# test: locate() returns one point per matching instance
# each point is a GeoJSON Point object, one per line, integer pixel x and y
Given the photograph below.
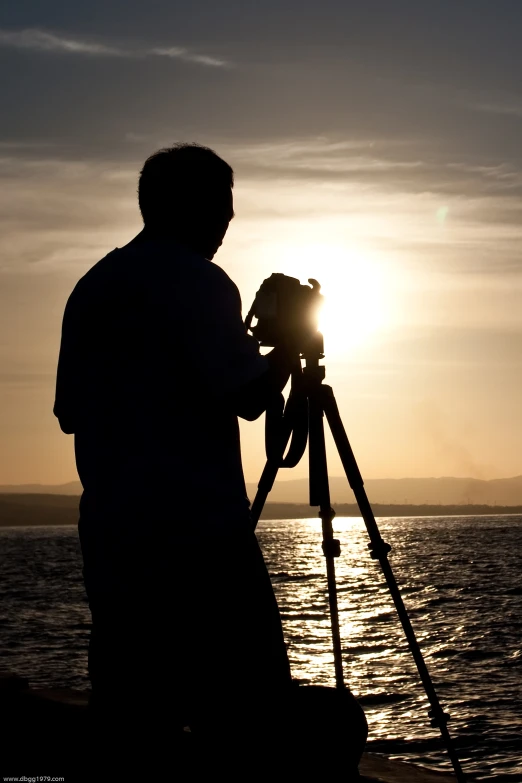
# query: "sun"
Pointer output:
{"type": "Point", "coordinates": [354, 288]}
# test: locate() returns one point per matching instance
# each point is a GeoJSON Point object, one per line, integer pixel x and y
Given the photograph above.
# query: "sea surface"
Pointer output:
{"type": "Point", "coordinates": [461, 580]}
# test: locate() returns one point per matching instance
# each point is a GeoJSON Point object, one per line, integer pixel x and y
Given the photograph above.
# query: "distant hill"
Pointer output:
{"type": "Point", "coordinates": [71, 488]}
{"type": "Point", "coordinates": [33, 509]}
{"type": "Point", "coordinates": [406, 491]}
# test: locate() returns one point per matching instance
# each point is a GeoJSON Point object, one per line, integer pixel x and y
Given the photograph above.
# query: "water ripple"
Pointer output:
{"type": "Point", "coordinates": [460, 579]}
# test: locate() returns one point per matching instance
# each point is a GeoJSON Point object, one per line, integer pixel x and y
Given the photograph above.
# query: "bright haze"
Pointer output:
{"type": "Point", "coordinates": [377, 147]}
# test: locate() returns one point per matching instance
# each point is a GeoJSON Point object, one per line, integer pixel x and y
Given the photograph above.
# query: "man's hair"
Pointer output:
{"type": "Point", "coordinates": [178, 177]}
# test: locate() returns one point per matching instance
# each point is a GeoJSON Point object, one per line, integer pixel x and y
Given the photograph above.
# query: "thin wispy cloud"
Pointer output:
{"type": "Point", "coordinates": [507, 109]}
{"type": "Point", "coordinates": [18, 146]}
{"type": "Point", "coordinates": [43, 41]}
{"type": "Point", "coordinates": [178, 52]}
{"type": "Point", "coordinates": [461, 217]}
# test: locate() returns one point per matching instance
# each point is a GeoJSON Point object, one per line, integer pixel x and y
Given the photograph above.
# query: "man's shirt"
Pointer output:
{"type": "Point", "coordinates": [153, 348]}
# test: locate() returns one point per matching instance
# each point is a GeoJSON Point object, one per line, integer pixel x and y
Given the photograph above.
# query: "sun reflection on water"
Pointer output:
{"type": "Point", "coordinates": [462, 585]}
{"type": "Point", "coordinates": [378, 666]}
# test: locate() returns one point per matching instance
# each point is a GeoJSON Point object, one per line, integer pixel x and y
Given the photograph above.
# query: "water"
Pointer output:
{"type": "Point", "coordinates": [461, 580]}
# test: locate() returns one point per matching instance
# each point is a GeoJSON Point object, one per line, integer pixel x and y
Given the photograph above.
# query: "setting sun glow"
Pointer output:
{"type": "Point", "coordinates": [352, 283]}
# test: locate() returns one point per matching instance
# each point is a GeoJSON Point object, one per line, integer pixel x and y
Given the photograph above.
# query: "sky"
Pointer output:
{"type": "Point", "coordinates": [377, 147]}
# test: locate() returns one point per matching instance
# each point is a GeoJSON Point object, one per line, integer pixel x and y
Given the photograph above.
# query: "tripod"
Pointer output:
{"type": "Point", "coordinates": [313, 399]}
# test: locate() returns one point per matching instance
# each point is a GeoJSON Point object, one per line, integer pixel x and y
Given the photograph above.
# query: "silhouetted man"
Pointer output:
{"type": "Point", "coordinates": [155, 366]}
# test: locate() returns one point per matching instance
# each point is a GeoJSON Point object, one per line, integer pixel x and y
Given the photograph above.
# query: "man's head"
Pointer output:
{"type": "Point", "coordinates": [185, 192]}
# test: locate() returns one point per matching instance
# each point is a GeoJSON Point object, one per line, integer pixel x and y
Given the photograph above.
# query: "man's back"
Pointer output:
{"type": "Point", "coordinates": [152, 345]}
{"type": "Point", "coordinates": [154, 364]}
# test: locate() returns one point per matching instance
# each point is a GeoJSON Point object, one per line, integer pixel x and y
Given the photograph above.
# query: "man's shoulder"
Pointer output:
{"type": "Point", "coordinates": [101, 270]}
{"type": "Point", "coordinates": [164, 268]}
{"type": "Point", "coordinates": [216, 276]}
{"type": "Point", "coordinates": [186, 269]}
{"type": "Point", "coordinates": [93, 285]}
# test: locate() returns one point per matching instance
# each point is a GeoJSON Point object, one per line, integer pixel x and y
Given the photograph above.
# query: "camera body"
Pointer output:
{"type": "Point", "coordinates": [284, 307]}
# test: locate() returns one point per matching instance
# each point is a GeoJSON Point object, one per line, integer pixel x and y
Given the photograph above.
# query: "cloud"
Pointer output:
{"type": "Point", "coordinates": [18, 146]}
{"type": "Point", "coordinates": [507, 109]}
{"type": "Point", "coordinates": [57, 214]}
{"type": "Point", "coordinates": [43, 41]}
{"type": "Point", "coordinates": [390, 167]}
{"type": "Point", "coordinates": [40, 40]}
{"type": "Point", "coordinates": [61, 210]}
{"type": "Point", "coordinates": [178, 52]}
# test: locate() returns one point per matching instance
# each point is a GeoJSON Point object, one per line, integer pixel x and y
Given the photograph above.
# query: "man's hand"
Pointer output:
{"type": "Point", "coordinates": [252, 399]}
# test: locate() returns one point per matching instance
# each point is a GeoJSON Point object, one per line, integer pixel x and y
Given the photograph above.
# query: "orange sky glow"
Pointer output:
{"type": "Point", "coordinates": [388, 170]}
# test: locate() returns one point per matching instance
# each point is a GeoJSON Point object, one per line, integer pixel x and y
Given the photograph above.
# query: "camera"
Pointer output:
{"type": "Point", "coordinates": [284, 307]}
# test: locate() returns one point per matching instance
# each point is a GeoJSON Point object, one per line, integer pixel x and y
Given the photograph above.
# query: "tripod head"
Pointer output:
{"type": "Point", "coordinates": [313, 349]}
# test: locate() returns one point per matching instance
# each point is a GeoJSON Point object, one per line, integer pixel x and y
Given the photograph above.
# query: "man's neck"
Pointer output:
{"type": "Point", "coordinates": [159, 235]}
{"type": "Point", "coordinates": [146, 234]}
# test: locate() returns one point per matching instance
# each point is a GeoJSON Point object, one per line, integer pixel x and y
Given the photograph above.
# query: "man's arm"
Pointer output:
{"type": "Point", "coordinates": [252, 399]}
{"type": "Point", "coordinates": [67, 373]}
{"type": "Point", "coordinates": [226, 359]}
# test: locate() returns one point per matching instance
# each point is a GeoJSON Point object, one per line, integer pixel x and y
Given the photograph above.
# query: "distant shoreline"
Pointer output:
{"type": "Point", "coordinates": [39, 510]}
{"type": "Point", "coordinates": [302, 511]}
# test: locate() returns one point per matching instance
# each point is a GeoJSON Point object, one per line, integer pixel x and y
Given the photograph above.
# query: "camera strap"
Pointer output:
{"type": "Point", "coordinates": [283, 421]}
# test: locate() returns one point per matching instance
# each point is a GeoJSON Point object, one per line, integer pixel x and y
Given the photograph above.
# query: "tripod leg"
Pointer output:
{"type": "Point", "coordinates": [270, 471]}
{"type": "Point", "coordinates": [266, 482]}
{"type": "Point", "coordinates": [320, 496]}
{"type": "Point", "coordinates": [379, 551]}
{"type": "Point", "coordinates": [291, 420]}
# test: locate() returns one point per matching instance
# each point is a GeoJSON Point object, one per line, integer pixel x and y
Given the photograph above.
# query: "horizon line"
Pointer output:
{"type": "Point", "coordinates": [302, 478]}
